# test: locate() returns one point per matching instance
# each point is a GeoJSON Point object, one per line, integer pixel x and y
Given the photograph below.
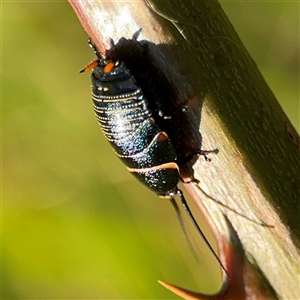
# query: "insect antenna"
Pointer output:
{"type": "Point", "coordinates": [197, 184]}
{"type": "Point", "coordinates": [195, 224]}
{"type": "Point", "coordinates": [185, 232]}
{"type": "Point", "coordinates": [261, 223]}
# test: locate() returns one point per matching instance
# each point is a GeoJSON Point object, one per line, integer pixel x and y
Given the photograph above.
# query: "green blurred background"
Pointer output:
{"type": "Point", "coordinates": [75, 224]}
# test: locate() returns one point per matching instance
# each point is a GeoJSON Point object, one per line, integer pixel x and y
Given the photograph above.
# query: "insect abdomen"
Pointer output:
{"type": "Point", "coordinates": [127, 123]}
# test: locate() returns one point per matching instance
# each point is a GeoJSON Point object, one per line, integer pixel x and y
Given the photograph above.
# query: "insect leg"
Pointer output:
{"type": "Point", "coordinates": [199, 153]}
{"type": "Point", "coordinates": [95, 49]}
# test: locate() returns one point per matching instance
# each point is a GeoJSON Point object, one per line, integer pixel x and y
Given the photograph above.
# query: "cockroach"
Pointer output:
{"type": "Point", "coordinates": [130, 127]}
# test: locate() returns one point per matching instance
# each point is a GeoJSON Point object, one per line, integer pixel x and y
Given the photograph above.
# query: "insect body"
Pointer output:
{"type": "Point", "coordinates": [128, 124]}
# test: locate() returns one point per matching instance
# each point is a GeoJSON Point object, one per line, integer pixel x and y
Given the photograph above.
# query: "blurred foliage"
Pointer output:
{"type": "Point", "coordinates": [75, 224]}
